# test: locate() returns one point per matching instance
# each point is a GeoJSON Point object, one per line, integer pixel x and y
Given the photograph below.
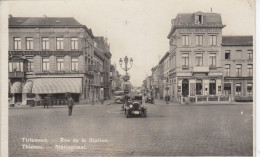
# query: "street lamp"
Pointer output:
{"type": "Point", "coordinates": [126, 68]}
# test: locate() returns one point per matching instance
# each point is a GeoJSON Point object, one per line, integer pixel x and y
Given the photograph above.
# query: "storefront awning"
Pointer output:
{"type": "Point", "coordinates": [27, 88]}
{"type": "Point", "coordinates": [16, 87]}
{"type": "Point", "coordinates": [57, 85]}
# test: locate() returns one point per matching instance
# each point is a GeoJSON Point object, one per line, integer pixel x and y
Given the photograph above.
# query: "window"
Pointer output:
{"type": "Point", "coordinates": [16, 66]}
{"type": "Point", "coordinates": [60, 64]}
{"type": "Point", "coordinates": [17, 44]}
{"type": "Point", "coordinates": [227, 54]}
{"type": "Point", "coordinates": [250, 70]}
{"type": "Point", "coordinates": [45, 64]}
{"type": "Point", "coordinates": [238, 88]}
{"type": "Point", "coordinates": [212, 87]}
{"type": "Point", "coordinates": [29, 43]}
{"type": "Point", "coordinates": [227, 69]}
{"type": "Point", "coordinates": [239, 69]}
{"type": "Point", "coordinates": [45, 43]}
{"type": "Point", "coordinates": [10, 66]}
{"type": "Point", "coordinates": [249, 89]}
{"type": "Point", "coordinates": [185, 59]}
{"type": "Point", "coordinates": [199, 59]}
{"type": "Point", "coordinates": [227, 88]}
{"type": "Point", "coordinates": [59, 43]}
{"type": "Point", "coordinates": [199, 39]}
{"type": "Point", "coordinates": [239, 54]}
{"type": "Point", "coordinates": [198, 87]}
{"type": "Point", "coordinates": [212, 59]}
{"type": "Point", "coordinates": [74, 43]}
{"type": "Point", "coordinates": [74, 64]}
{"type": "Point", "coordinates": [212, 40]}
{"type": "Point", "coordinates": [30, 66]}
{"type": "Point", "coordinates": [185, 40]}
{"type": "Point", "coordinates": [250, 55]}
{"type": "Point", "coordinates": [199, 19]}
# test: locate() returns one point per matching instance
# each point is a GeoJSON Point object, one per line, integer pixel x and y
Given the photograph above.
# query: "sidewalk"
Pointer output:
{"type": "Point", "coordinates": [107, 102]}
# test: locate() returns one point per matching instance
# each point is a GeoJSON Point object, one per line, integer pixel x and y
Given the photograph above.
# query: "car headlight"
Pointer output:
{"type": "Point", "coordinates": [130, 106]}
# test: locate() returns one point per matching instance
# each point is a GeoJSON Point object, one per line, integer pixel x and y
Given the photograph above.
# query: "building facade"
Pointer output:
{"type": "Point", "coordinates": [237, 63]}
{"type": "Point", "coordinates": [59, 51]}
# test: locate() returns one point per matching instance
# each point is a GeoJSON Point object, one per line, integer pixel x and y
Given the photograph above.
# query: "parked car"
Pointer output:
{"type": "Point", "coordinates": [119, 97]}
{"type": "Point", "coordinates": [133, 106]}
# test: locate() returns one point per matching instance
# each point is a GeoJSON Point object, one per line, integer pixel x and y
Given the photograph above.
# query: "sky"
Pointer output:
{"type": "Point", "coordinates": [139, 28]}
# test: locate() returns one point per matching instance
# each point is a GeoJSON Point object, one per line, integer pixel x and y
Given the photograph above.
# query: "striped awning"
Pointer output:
{"type": "Point", "coordinates": [27, 88]}
{"type": "Point", "coordinates": [16, 87]}
{"type": "Point", "coordinates": [57, 85]}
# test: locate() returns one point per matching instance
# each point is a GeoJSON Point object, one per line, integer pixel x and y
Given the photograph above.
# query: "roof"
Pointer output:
{"type": "Point", "coordinates": [237, 40]}
{"type": "Point", "coordinates": [102, 45]}
{"type": "Point", "coordinates": [32, 22]}
{"type": "Point", "coordinates": [43, 21]}
{"type": "Point", "coordinates": [188, 20]}
{"type": "Point", "coordinates": [164, 57]}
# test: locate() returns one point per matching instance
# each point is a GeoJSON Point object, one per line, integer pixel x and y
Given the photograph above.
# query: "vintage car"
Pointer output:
{"type": "Point", "coordinates": [119, 97]}
{"type": "Point", "coordinates": [133, 106]}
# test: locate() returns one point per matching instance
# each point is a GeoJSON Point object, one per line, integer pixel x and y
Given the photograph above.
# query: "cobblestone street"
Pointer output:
{"type": "Point", "coordinates": [172, 130]}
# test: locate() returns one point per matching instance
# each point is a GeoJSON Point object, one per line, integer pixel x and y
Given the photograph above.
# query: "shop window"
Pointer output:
{"type": "Point", "coordinates": [249, 89]}
{"type": "Point", "coordinates": [198, 87]}
{"type": "Point", "coordinates": [238, 89]}
{"type": "Point", "coordinates": [212, 87]}
{"type": "Point", "coordinates": [227, 88]}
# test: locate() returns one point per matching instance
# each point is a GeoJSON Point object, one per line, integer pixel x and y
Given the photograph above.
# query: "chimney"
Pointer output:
{"type": "Point", "coordinates": [172, 22]}
{"type": "Point", "coordinates": [45, 16]}
{"type": "Point", "coordinates": [10, 15]}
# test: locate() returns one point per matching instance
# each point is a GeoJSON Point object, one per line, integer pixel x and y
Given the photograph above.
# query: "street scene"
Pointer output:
{"type": "Point", "coordinates": [97, 82]}
{"type": "Point", "coordinates": [168, 130]}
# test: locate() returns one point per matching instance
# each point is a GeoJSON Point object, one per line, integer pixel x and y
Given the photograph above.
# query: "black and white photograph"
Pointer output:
{"type": "Point", "coordinates": [128, 78]}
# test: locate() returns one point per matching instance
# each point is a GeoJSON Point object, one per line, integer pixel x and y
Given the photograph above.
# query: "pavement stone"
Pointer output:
{"type": "Point", "coordinates": [168, 130]}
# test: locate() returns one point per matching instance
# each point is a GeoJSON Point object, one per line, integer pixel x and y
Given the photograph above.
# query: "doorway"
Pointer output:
{"type": "Point", "coordinates": [185, 88]}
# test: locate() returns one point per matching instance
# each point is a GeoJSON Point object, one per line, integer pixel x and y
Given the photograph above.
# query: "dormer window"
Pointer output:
{"type": "Point", "coordinates": [198, 19]}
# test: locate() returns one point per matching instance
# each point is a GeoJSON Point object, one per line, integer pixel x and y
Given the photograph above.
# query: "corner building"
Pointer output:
{"type": "Point", "coordinates": [58, 51]}
{"type": "Point", "coordinates": [195, 52]}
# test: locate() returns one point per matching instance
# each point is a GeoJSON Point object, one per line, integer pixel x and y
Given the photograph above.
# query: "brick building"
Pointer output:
{"type": "Point", "coordinates": [59, 51]}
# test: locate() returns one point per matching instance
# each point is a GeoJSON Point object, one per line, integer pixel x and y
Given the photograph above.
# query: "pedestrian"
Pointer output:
{"type": "Point", "coordinates": [70, 104]}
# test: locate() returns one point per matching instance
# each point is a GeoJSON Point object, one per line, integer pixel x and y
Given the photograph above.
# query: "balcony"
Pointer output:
{"type": "Point", "coordinates": [200, 69]}
{"type": "Point", "coordinates": [16, 74]}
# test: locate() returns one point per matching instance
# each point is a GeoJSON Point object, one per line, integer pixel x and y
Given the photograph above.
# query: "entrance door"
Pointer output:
{"type": "Point", "coordinates": [185, 88]}
{"type": "Point", "coordinates": [18, 97]}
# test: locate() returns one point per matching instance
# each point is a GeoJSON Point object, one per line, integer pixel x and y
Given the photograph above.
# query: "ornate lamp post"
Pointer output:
{"type": "Point", "coordinates": [126, 68]}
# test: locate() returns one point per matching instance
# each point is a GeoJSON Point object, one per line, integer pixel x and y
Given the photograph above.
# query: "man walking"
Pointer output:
{"type": "Point", "coordinates": [70, 104]}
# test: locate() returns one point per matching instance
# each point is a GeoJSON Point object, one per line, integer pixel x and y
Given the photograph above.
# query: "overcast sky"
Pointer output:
{"type": "Point", "coordinates": [139, 28]}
